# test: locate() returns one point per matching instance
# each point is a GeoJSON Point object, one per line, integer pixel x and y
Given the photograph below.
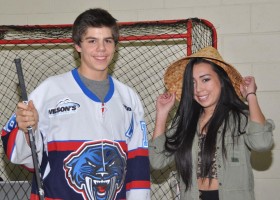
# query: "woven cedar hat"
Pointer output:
{"type": "Point", "coordinates": [173, 77]}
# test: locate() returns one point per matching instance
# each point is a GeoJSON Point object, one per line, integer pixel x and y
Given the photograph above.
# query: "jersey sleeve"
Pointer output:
{"type": "Point", "coordinates": [138, 167]}
{"type": "Point", "coordinates": [15, 144]}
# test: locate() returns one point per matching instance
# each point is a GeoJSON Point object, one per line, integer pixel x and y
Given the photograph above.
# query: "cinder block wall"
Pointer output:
{"type": "Point", "coordinates": [248, 37]}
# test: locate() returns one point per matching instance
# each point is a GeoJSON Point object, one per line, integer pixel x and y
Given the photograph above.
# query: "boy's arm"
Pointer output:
{"type": "Point", "coordinates": [138, 167]}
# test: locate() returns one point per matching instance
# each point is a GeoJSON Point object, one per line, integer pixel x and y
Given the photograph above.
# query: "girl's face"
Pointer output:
{"type": "Point", "coordinates": [207, 86]}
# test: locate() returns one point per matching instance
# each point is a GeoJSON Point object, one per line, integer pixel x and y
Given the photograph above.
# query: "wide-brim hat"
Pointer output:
{"type": "Point", "coordinates": [173, 77]}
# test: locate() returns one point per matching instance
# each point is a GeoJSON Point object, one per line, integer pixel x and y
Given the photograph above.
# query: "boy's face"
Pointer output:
{"type": "Point", "coordinates": [97, 50]}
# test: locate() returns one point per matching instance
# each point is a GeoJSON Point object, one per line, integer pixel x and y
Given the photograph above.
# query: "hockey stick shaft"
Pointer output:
{"type": "Point", "coordinates": [30, 132]}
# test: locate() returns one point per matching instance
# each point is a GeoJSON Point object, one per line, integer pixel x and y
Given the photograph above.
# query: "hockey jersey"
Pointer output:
{"type": "Point", "coordinates": [87, 149]}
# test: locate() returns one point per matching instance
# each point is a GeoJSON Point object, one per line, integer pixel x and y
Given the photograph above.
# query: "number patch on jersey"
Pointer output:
{"type": "Point", "coordinates": [11, 124]}
{"type": "Point", "coordinates": [144, 131]}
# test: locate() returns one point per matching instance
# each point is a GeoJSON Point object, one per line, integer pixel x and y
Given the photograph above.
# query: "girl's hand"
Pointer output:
{"type": "Point", "coordinates": [165, 102]}
{"type": "Point", "coordinates": [248, 87]}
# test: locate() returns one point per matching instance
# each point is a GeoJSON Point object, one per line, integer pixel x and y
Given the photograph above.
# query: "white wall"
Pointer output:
{"type": "Point", "coordinates": [248, 37]}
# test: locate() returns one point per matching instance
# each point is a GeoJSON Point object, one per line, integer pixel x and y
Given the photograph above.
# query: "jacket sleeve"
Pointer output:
{"type": "Point", "coordinates": [138, 167]}
{"type": "Point", "coordinates": [260, 137]}
{"type": "Point", "coordinates": [159, 158]}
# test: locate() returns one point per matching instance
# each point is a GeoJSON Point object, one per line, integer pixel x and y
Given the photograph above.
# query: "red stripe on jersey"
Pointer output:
{"type": "Point", "coordinates": [11, 142]}
{"type": "Point", "coordinates": [138, 184]}
{"type": "Point", "coordinates": [74, 145]}
{"type": "Point", "coordinates": [64, 146]}
{"type": "Point", "coordinates": [123, 146]}
{"type": "Point", "coordinates": [138, 152]}
{"type": "Point", "coordinates": [3, 133]}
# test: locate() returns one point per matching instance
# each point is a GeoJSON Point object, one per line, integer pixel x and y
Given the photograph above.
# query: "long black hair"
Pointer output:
{"type": "Point", "coordinates": [187, 116]}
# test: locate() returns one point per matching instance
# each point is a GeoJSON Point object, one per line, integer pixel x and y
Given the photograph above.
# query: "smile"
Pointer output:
{"type": "Point", "coordinates": [202, 98]}
{"type": "Point", "coordinates": [100, 57]}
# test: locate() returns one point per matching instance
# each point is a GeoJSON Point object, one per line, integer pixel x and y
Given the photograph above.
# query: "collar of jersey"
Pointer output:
{"type": "Point", "coordinates": [90, 94]}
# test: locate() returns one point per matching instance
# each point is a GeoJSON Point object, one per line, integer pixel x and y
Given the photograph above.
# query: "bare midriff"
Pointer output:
{"type": "Point", "coordinates": [203, 184]}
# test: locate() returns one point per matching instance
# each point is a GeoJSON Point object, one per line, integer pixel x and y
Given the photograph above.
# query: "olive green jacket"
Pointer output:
{"type": "Point", "coordinates": [235, 173]}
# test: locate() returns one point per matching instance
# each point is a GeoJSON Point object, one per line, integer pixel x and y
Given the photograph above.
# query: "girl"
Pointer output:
{"type": "Point", "coordinates": [213, 131]}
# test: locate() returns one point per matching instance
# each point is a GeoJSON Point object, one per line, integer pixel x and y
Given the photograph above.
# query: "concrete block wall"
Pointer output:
{"type": "Point", "coordinates": [248, 37]}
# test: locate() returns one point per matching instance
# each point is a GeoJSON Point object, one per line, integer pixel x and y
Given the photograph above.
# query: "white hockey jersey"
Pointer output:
{"type": "Point", "coordinates": [88, 149]}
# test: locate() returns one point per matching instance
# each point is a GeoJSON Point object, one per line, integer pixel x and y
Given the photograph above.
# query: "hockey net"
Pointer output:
{"type": "Point", "coordinates": [144, 52]}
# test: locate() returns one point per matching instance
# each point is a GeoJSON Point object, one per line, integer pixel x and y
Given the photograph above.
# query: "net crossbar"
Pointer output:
{"type": "Point", "coordinates": [144, 52]}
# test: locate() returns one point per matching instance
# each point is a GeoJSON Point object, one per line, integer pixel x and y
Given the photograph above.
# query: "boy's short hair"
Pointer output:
{"type": "Point", "coordinates": [96, 17]}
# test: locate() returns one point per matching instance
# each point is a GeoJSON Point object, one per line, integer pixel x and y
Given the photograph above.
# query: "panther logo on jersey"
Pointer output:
{"type": "Point", "coordinates": [97, 170]}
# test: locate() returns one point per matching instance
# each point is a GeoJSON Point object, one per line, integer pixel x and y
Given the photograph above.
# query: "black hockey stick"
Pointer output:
{"type": "Point", "coordinates": [38, 177]}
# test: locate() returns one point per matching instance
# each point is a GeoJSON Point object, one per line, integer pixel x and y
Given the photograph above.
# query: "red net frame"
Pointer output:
{"type": "Point", "coordinates": [189, 25]}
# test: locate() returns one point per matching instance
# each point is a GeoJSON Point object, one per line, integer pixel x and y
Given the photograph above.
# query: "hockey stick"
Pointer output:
{"type": "Point", "coordinates": [38, 177]}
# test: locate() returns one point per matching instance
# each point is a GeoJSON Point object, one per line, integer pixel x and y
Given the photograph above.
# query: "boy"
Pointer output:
{"type": "Point", "coordinates": [90, 131]}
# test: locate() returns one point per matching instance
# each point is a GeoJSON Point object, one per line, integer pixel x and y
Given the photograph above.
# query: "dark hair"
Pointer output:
{"type": "Point", "coordinates": [96, 17]}
{"type": "Point", "coordinates": [186, 120]}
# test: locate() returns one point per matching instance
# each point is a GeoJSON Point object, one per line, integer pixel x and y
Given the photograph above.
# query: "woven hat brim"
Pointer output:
{"type": "Point", "coordinates": [173, 77]}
